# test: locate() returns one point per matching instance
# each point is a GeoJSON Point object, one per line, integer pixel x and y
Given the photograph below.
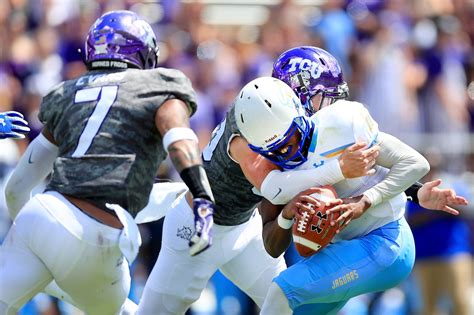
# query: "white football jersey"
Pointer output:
{"type": "Point", "coordinates": [337, 127]}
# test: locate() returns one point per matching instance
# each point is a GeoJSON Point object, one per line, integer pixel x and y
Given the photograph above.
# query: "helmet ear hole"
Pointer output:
{"type": "Point", "coordinates": [143, 61]}
{"type": "Point", "coordinates": [151, 59]}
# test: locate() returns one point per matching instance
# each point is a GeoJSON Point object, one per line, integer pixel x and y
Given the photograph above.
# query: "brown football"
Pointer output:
{"type": "Point", "coordinates": [313, 232]}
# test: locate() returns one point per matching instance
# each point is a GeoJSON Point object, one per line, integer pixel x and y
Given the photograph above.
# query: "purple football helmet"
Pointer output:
{"type": "Point", "coordinates": [120, 39]}
{"type": "Point", "coordinates": [308, 71]}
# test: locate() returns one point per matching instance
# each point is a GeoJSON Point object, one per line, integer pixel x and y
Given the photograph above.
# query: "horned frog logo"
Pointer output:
{"type": "Point", "coordinates": [185, 233]}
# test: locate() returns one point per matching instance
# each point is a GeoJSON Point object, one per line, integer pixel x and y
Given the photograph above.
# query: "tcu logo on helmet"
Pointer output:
{"type": "Point", "coordinates": [305, 65]}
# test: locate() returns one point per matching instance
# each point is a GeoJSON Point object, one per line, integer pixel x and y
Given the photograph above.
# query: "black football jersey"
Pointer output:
{"type": "Point", "coordinates": [104, 125]}
{"type": "Point", "coordinates": [235, 200]}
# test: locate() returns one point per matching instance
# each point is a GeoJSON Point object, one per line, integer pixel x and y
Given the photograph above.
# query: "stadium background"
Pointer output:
{"type": "Point", "coordinates": [410, 62]}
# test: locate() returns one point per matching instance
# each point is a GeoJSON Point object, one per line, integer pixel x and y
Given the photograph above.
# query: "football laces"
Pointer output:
{"type": "Point", "coordinates": [304, 222]}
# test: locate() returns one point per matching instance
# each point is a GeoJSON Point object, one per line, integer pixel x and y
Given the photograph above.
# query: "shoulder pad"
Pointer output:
{"type": "Point", "coordinates": [336, 114]}
{"type": "Point", "coordinates": [172, 73]}
{"type": "Point", "coordinates": [55, 89]}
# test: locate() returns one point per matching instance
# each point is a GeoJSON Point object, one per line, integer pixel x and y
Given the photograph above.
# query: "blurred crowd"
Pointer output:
{"type": "Point", "coordinates": [410, 62]}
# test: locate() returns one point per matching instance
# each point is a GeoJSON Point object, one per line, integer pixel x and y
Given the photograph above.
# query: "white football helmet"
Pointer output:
{"type": "Point", "coordinates": [268, 113]}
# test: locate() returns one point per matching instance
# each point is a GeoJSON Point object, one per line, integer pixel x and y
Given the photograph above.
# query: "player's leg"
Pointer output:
{"type": "Point", "coordinates": [275, 302]}
{"type": "Point", "coordinates": [128, 308]}
{"type": "Point", "coordinates": [253, 269]}
{"type": "Point", "coordinates": [320, 308]}
{"type": "Point", "coordinates": [87, 263]}
{"type": "Point", "coordinates": [103, 287]}
{"type": "Point", "coordinates": [375, 262]}
{"type": "Point", "coordinates": [53, 289]}
{"type": "Point", "coordinates": [177, 279]}
{"type": "Point", "coordinates": [22, 273]}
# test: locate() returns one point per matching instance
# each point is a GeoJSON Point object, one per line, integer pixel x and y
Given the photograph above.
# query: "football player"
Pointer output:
{"type": "Point", "coordinates": [13, 125]}
{"type": "Point", "coordinates": [372, 253]}
{"type": "Point", "coordinates": [178, 279]}
{"type": "Point", "coordinates": [316, 78]}
{"type": "Point", "coordinates": [234, 170]}
{"type": "Point", "coordinates": [105, 135]}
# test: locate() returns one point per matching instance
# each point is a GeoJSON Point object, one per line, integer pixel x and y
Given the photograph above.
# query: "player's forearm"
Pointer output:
{"type": "Point", "coordinates": [276, 239]}
{"type": "Point", "coordinates": [195, 178]}
{"type": "Point", "coordinates": [280, 187]}
{"type": "Point", "coordinates": [186, 159]}
{"type": "Point", "coordinates": [184, 154]}
{"type": "Point", "coordinates": [181, 143]}
{"type": "Point", "coordinates": [406, 167]}
{"type": "Point", "coordinates": [34, 165]}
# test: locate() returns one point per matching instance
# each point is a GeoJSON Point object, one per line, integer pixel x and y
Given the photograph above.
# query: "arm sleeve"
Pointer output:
{"type": "Point", "coordinates": [280, 187]}
{"type": "Point", "coordinates": [406, 167]}
{"type": "Point", "coordinates": [34, 165]}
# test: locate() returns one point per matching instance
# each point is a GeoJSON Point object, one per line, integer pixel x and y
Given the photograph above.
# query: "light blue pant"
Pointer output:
{"type": "Point", "coordinates": [323, 283]}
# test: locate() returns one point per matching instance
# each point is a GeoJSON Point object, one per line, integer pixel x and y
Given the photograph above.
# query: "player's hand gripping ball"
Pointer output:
{"type": "Point", "coordinates": [312, 232]}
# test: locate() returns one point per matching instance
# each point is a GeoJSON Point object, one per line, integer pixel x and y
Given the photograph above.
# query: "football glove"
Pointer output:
{"type": "Point", "coordinates": [203, 221]}
{"type": "Point", "coordinates": [12, 125]}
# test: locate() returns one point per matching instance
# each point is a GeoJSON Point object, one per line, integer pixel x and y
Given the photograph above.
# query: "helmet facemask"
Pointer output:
{"type": "Point", "coordinates": [284, 155]}
{"type": "Point", "coordinates": [329, 95]}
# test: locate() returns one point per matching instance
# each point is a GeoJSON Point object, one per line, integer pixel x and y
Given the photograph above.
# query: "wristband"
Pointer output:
{"type": "Point", "coordinates": [285, 224]}
{"type": "Point", "coordinates": [195, 178]}
{"type": "Point", "coordinates": [177, 134]}
{"type": "Point", "coordinates": [412, 192]}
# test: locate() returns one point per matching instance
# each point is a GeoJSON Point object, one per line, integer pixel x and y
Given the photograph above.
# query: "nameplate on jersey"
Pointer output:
{"type": "Point", "coordinates": [109, 64]}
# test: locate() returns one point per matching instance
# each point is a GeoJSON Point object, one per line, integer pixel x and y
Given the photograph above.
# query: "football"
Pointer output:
{"type": "Point", "coordinates": [312, 232]}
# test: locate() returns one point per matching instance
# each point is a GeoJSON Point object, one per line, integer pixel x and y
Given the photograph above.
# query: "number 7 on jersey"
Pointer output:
{"type": "Point", "coordinates": [105, 97]}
